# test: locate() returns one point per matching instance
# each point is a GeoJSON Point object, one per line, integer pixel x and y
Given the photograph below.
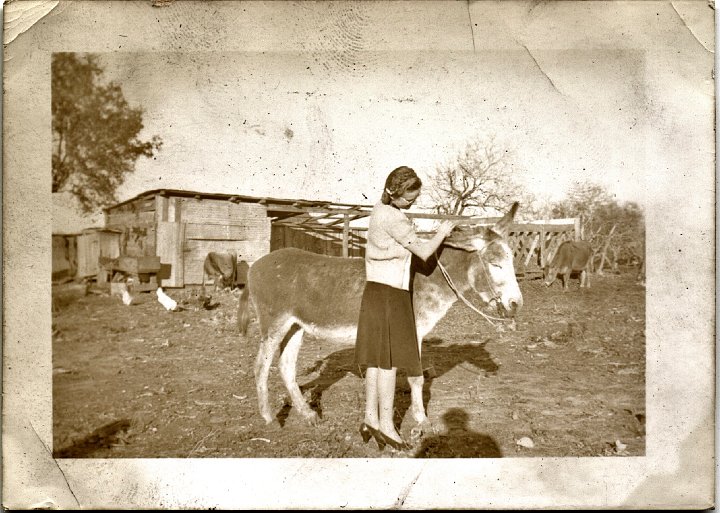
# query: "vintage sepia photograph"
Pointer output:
{"type": "Point", "coordinates": [393, 240]}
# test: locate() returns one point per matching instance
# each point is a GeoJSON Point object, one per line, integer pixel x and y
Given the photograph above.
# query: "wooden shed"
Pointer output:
{"type": "Point", "coordinates": [64, 256]}
{"type": "Point", "coordinates": [76, 256]}
{"type": "Point", "coordinates": [182, 227]}
{"type": "Point", "coordinates": [92, 244]}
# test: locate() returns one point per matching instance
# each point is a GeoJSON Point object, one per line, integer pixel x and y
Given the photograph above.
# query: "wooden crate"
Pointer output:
{"type": "Point", "coordinates": [143, 271]}
{"type": "Point", "coordinates": [132, 265]}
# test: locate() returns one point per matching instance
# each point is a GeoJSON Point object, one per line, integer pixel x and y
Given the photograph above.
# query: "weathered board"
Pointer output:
{"type": "Point", "coordinates": [92, 245]}
{"type": "Point", "coordinates": [170, 245]}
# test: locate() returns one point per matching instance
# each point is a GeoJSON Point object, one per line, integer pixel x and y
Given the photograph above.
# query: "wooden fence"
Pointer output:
{"type": "Point", "coordinates": [333, 241]}
{"type": "Point", "coordinates": [534, 244]}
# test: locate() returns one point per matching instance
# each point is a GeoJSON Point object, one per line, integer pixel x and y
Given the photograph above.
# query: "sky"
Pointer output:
{"type": "Point", "coordinates": [573, 91]}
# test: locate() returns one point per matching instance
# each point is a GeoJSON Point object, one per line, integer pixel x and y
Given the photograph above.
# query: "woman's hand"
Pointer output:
{"type": "Point", "coordinates": [446, 227]}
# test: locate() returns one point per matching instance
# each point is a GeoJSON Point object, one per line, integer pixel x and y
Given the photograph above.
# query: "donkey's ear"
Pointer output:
{"type": "Point", "coordinates": [502, 227]}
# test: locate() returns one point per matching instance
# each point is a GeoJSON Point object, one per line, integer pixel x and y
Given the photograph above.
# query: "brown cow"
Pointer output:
{"type": "Point", "coordinates": [294, 292]}
{"type": "Point", "coordinates": [221, 268]}
{"type": "Point", "coordinates": [572, 255]}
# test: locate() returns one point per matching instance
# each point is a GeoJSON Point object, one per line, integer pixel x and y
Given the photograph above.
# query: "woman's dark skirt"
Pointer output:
{"type": "Point", "coordinates": [386, 335]}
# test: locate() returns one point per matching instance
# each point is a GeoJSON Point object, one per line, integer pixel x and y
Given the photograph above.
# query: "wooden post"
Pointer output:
{"type": "Point", "coordinates": [641, 273]}
{"type": "Point", "coordinates": [532, 249]}
{"type": "Point", "coordinates": [180, 255]}
{"type": "Point", "coordinates": [178, 202]}
{"type": "Point", "coordinates": [161, 208]}
{"type": "Point", "coordinates": [346, 234]}
{"type": "Point", "coordinates": [578, 229]}
{"type": "Point", "coordinates": [542, 246]}
{"type": "Point", "coordinates": [604, 250]}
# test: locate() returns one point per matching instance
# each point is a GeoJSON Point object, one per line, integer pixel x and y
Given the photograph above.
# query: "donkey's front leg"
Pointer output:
{"type": "Point", "coordinates": [416, 396]}
{"type": "Point", "coordinates": [418, 410]}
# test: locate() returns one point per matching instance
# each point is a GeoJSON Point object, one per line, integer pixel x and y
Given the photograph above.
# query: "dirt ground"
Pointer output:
{"type": "Point", "coordinates": [138, 381]}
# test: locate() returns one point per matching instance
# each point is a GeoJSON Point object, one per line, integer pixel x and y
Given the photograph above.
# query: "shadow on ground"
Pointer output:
{"type": "Point", "coordinates": [437, 360]}
{"type": "Point", "coordinates": [459, 441]}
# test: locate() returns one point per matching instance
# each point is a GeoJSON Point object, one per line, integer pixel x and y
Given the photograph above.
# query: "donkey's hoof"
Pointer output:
{"type": "Point", "coordinates": [423, 428]}
{"type": "Point", "coordinates": [312, 418]}
{"type": "Point", "coordinates": [416, 434]}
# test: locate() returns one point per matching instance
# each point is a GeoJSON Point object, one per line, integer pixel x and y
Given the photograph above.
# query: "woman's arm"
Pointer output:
{"type": "Point", "coordinates": [425, 249]}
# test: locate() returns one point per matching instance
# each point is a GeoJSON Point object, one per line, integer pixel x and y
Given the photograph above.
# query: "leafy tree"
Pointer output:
{"type": "Point", "coordinates": [475, 181]}
{"type": "Point", "coordinates": [95, 132]}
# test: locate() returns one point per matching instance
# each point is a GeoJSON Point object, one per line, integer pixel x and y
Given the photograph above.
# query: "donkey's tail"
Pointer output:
{"type": "Point", "coordinates": [243, 316]}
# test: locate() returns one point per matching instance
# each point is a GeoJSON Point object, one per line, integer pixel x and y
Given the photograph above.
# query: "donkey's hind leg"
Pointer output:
{"type": "Point", "coordinates": [288, 371]}
{"type": "Point", "coordinates": [263, 361]}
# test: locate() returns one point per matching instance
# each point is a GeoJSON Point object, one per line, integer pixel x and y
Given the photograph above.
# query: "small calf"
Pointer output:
{"type": "Point", "coordinates": [221, 268]}
{"type": "Point", "coordinates": [572, 255]}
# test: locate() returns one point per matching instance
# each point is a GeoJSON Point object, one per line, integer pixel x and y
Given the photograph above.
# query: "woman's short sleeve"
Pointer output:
{"type": "Point", "coordinates": [402, 230]}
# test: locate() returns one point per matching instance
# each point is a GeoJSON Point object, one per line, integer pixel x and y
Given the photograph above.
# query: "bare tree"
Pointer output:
{"type": "Point", "coordinates": [615, 231]}
{"type": "Point", "coordinates": [477, 180]}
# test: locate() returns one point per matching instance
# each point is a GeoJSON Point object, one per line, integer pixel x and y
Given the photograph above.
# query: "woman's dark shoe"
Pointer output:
{"type": "Point", "coordinates": [366, 432]}
{"type": "Point", "coordinates": [386, 440]}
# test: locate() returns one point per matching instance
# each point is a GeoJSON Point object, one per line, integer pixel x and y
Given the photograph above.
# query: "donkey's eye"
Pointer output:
{"type": "Point", "coordinates": [496, 265]}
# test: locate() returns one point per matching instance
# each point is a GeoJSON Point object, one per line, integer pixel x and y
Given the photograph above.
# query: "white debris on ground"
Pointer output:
{"type": "Point", "coordinates": [620, 447]}
{"type": "Point", "coordinates": [169, 303]}
{"type": "Point", "coordinates": [616, 448]}
{"type": "Point", "coordinates": [525, 442]}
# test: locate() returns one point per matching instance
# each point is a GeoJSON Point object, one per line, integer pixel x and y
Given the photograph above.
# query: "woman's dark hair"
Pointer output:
{"type": "Point", "coordinates": [398, 182]}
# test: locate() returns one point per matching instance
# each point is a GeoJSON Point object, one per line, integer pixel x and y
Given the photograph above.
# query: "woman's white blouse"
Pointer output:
{"type": "Point", "coordinates": [387, 259]}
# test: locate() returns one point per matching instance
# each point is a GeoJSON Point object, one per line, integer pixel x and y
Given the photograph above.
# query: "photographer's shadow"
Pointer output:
{"type": "Point", "coordinates": [458, 441]}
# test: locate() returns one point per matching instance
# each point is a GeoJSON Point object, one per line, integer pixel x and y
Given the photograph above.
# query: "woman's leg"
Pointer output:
{"type": "Point", "coordinates": [371, 397]}
{"type": "Point", "coordinates": [386, 401]}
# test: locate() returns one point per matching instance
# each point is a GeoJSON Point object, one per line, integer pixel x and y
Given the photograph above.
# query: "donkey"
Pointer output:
{"type": "Point", "coordinates": [295, 291]}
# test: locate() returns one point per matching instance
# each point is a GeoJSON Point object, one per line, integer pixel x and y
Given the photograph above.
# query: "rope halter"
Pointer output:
{"type": "Point", "coordinates": [496, 295]}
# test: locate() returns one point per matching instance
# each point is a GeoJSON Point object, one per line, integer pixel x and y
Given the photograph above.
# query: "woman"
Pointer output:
{"type": "Point", "coordinates": [386, 335]}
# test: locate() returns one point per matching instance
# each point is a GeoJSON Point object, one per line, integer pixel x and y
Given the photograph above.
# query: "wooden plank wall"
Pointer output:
{"type": "Point", "coordinates": [244, 228]}
{"type": "Point", "coordinates": [220, 226]}
{"type": "Point", "coordinates": [136, 221]}
{"type": "Point", "coordinates": [91, 246]}
{"type": "Point", "coordinates": [170, 237]}
{"type": "Point", "coordinates": [285, 236]}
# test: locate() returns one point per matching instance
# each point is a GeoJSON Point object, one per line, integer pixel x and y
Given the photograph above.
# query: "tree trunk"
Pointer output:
{"type": "Point", "coordinates": [604, 250]}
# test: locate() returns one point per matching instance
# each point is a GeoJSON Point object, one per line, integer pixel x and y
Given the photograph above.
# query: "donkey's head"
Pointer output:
{"type": "Point", "coordinates": [492, 271]}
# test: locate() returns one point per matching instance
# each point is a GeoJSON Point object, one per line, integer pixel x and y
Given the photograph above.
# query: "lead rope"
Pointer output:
{"type": "Point", "coordinates": [488, 318]}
